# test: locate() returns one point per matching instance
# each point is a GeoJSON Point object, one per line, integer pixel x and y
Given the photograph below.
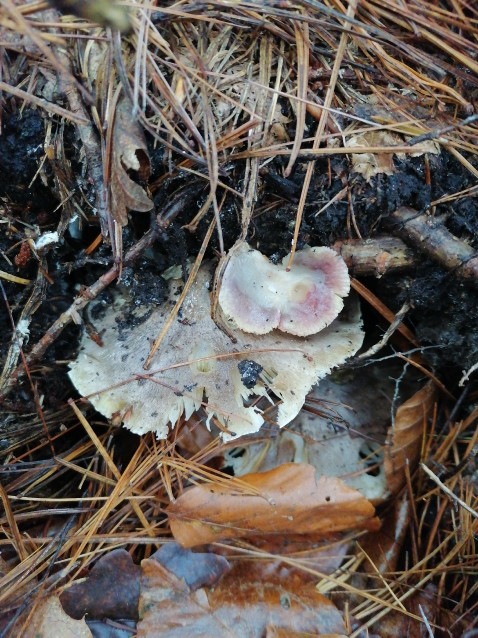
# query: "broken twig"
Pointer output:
{"type": "Point", "coordinates": [375, 257]}
{"type": "Point", "coordinates": [432, 238]}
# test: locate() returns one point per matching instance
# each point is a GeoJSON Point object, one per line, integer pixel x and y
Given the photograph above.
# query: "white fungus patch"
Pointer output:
{"type": "Point", "coordinates": [197, 363]}
{"type": "Point", "coordinates": [46, 239]}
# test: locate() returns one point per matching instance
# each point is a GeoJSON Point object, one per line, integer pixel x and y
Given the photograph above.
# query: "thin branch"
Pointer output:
{"type": "Point", "coordinates": [447, 491]}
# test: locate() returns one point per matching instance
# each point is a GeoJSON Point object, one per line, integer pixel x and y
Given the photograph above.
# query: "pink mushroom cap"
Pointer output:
{"type": "Point", "coordinates": [258, 296]}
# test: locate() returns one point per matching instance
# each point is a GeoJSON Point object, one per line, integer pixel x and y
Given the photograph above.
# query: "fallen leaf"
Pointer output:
{"type": "Point", "coordinates": [383, 548]}
{"type": "Point", "coordinates": [49, 620]}
{"type": "Point", "coordinates": [371, 164]}
{"type": "Point", "coordinates": [422, 604]}
{"type": "Point", "coordinates": [234, 607]}
{"type": "Point", "coordinates": [168, 607]}
{"type": "Point", "coordinates": [286, 499]}
{"type": "Point", "coordinates": [130, 155]}
{"type": "Point", "coordinates": [289, 554]}
{"type": "Point", "coordinates": [404, 439]}
{"type": "Point", "coordinates": [110, 591]}
{"type": "Point", "coordinates": [107, 629]}
{"type": "Point", "coordinates": [197, 569]}
{"type": "Point", "coordinates": [257, 606]}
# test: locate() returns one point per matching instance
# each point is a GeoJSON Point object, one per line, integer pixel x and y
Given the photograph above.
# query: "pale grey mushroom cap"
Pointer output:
{"type": "Point", "coordinates": [197, 363]}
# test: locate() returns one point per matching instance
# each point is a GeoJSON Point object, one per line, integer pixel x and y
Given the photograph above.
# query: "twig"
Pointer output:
{"type": "Point", "coordinates": [435, 240]}
{"type": "Point", "coordinates": [467, 374]}
{"type": "Point", "coordinates": [16, 350]}
{"type": "Point", "coordinates": [380, 307]}
{"type": "Point", "coordinates": [21, 331]}
{"type": "Point", "coordinates": [29, 98]}
{"type": "Point", "coordinates": [396, 393]}
{"type": "Point", "coordinates": [438, 132]}
{"type": "Point", "coordinates": [399, 317]}
{"type": "Point", "coordinates": [447, 490]}
{"type": "Point", "coordinates": [90, 140]}
{"type": "Point", "coordinates": [375, 257]}
{"type": "Point", "coordinates": [427, 373]}
{"type": "Point", "coordinates": [427, 624]}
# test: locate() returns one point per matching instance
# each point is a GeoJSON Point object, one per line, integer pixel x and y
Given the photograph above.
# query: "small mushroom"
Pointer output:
{"type": "Point", "coordinates": [258, 296]}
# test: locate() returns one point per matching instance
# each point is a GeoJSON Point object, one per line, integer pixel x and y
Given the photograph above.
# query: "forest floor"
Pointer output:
{"type": "Point", "coordinates": [141, 146]}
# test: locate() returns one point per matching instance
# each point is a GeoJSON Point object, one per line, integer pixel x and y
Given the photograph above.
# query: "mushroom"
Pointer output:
{"type": "Point", "coordinates": [199, 365]}
{"type": "Point", "coordinates": [258, 296]}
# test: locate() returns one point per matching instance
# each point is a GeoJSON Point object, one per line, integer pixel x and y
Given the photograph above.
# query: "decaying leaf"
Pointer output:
{"type": "Point", "coordinates": [322, 554]}
{"type": "Point", "coordinates": [110, 591]}
{"type": "Point", "coordinates": [289, 499]}
{"type": "Point", "coordinates": [49, 620]}
{"type": "Point", "coordinates": [424, 604]}
{"type": "Point", "coordinates": [344, 433]}
{"type": "Point", "coordinates": [234, 607]}
{"type": "Point", "coordinates": [196, 569]}
{"type": "Point", "coordinates": [130, 155]}
{"type": "Point", "coordinates": [383, 548]}
{"type": "Point", "coordinates": [406, 436]}
{"type": "Point", "coordinates": [196, 358]}
{"type": "Point", "coordinates": [371, 164]}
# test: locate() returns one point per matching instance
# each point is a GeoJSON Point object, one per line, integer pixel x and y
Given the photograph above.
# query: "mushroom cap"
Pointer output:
{"type": "Point", "coordinates": [258, 296]}
{"type": "Point", "coordinates": [197, 360]}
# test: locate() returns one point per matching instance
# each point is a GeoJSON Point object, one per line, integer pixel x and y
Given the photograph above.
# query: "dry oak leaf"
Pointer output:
{"type": "Point", "coordinates": [405, 436]}
{"type": "Point", "coordinates": [50, 621]}
{"type": "Point", "coordinates": [130, 154]}
{"type": "Point", "coordinates": [287, 499]}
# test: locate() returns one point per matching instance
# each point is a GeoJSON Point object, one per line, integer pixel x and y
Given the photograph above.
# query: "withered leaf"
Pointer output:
{"type": "Point", "coordinates": [233, 608]}
{"type": "Point", "coordinates": [422, 603]}
{"type": "Point", "coordinates": [288, 499]}
{"type": "Point", "coordinates": [405, 436]}
{"type": "Point", "coordinates": [110, 591]}
{"type": "Point", "coordinates": [383, 548]}
{"type": "Point", "coordinates": [197, 569]}
{"type": "Point", "coordinates": [129, 154]}
{"type": "Point", "coordinates": [371, 164]}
